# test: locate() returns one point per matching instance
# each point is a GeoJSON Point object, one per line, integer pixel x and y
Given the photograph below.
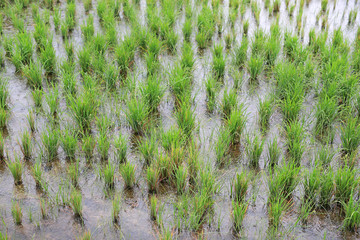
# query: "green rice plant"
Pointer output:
{"type": "Point", "coordinates": [181, 175]}
{"type": "Point", "coordinates": [40, 34]}
{"type": "Point", "coordinates": [74, 172]}
{"type": "Point", "coordinates": [26, 144]}
{"type": "Point", "coordinates": [148, 148]}
{"type": "Point", "coordinates": [128, 174]}
{"type": "Point", "coordinates": [236, 124]}
{"type": "Point", "coordinates": [68, 143]}
{"type": "Point", "coordinates": [352, 16]}
{"type": "Point", "coordinates": [24, 46]}
{"type": "Point", "coordinates": [57, 18]}
{"type": "Point", "coordinates": [274, 152]}
{"type": "Point", "coordinates": [69, 81]}
{"type": "Point", "coordinates": [306, 208]}
{"type": "Point", "coordinates": [276, 211]}
{"type": "Point", "coordinates": [111, 77]}
{"type": "Point", "coordinates": [87, 5]}
{"type": "Point", "coordinates": [33, 74]}
{"type": "Point", "coordinates": [350, 136]}
{"type": "Point", "coordinates": [229, 102]}
{"type": "Point", "coordinates": [37, 95]}
{"type": "Point", "coordinates": [187, 58]}
{"type": "Point", "coordinates": [172, 139]}
{"type": "Point", "coordinates": [185, 118]}
{"type": "Point", "coordinates": [294, 141]}
{"type": "Point", "coordinates": [16, 168]}
{"type": "Point", "coordinates": [8, 44]}
{"type": "Point", "coordinates": [283, 181]}
{"type": "Point", "coordinates": [152, 178]}
{"type": "Point", "coordinates": [152, 91]}
{"type": "Point", "coordinates": [154, 207]}
{"type": "Point", "coordinates": [222, 145]}
{"type": "Point", "coordinates": [120, 145]}
{"type": "Point", "coordinates": [327, 188]}
{"type": "Point", "coordinates": [48, 58]}
{"type": "Point", "coordinates": [180, 83]}
{"type": "Point", "coordinates": [211, 86]}
{"type": "Point", "coordinates": [83, 108]}
{"type": "Point", "coordinates": [4, 94]}
{"type": "Point", "coordinates": [265, 109]}
{"type": "Point", "coordinates": [52, 100]}
{"type": "Point", "coordinates": [324, 156]}
{"type": "Point", "coordinates": [137, 114]}
{"type": "Point", "coordinates": [218, 65]}
{"type": "Point", "coordinates": [104, 124]}
{"type": "Point", "coordinates": [352, 214]}
{"type": "Point", "coordinates": [254, 67]}
{"type": "Point", "coordinates": [70, 15]}
{"type": "Point", "coordinates": [254, 150]}
{"type": "Point", "coordinates": [171, 39]}
{"type": "Point", "coordinates": [50, 141]}
{"type": "Point", "coordinates": [311, 184]}
{"type": "Point", "coordinates": [124, 54]}
{"type": "Point", "coordinates": [4, 117]}
{"type": "Point", "coordinates": [2, 147]}
{"type": "Point", "coordinates": [202, 202]}
{"type": "Point", "coordinates": [16, 212]}
{"type": "Point", "coordinates": [88, 146]}
{"type": "Point", "coordinates": [107, 173]}
{"type": "Point", "coordinates": [229, 39]}
{"type": "Point", "coordinates": [187, 29]}
{"type": "Point", "coordinates": [291, 107]}
{"type": "Point", "coordinates": [17, 60]}
{"type": "Point", "coordinates": [84, 57]}
{"type": "Point", "coordinates": [37, 173]}
{"type": "Point", "coordinates": [116, 208]}
{"type": "Point", "coordinates": [240, 53]}
{"type": "Point", "coordinates": [345, 183]}
{"type": "Point", "coordinates": [257, 47]}
{"type": "Point", "coordinates": [152, 63]}
{"type": "Point", "coordinates": [324, 5]}
{"type": "Point", "coordinates": [103, 145]}
{"type": "Point", "coordinates": [87, 29]}
{"type": "Point", "coordinates": [272, 48]}
{"type": "Point", "coordinates": [240, 186]}
{"type": "Point", "coordinates": [246, 27]}
{"type": "Point", "coordinates": [238, 214]}
{"type": "Point", "coordinates": [76, 203]}
{"type": "Point", "coordinates": [99, 44]}
{"type": "Point", "coordinates": [325, 114]}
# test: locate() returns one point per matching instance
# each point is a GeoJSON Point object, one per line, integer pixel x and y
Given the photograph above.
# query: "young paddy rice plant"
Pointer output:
{"type": "Point", "coordinates": [254, 150]}
{"type": "Point", "coordinates": [26, 144]}
{"type": "Point", "coordinates": [76, 203]}
{"type": "Point", "coordinates": [16, 168]}
{"type": "Point", "coordinates": [33, 74]}
{"type": "Point", "coordinates": [137, 114]}
{"type": "Point", "coordinates": [229, 102]}
{"type": "Point", "coordinates": [352, 213]}
{"type": "Point", "coordinates": [152, 178]}
{"type": "Point", "coordinates": [148, 147]}
{"type": "Point", "coordinates": [240, 53]}
{"type": "Point", "coordinates": [239, 210]}
{"type": "Point", "coordinates": [222, 145]}
{"type": "Point", "coordinates": [120, 145]}
{"type": "Point", "coordinates": [181, 175]}
{"type": "Point", "coordinates": [152, 91]}
{"type": "Point", "coordinates": [346, 181]}
{"type": "Point", "coordinates": [73, 172]}
{"type": "Point", "coordinates": [107, 173]}
{"type": "Point", "coordinates": [274, 152]}
{"type": "Point", "coordinates": [240, 185]}
{"type": "Point", "coordinates": [254, 66]}
{"type": "Point", "coordinates": [350, 136]}
{"type": "Point", "coordinates": [68, 142]}
{"type": "Point", "coordinates": [88, 146]}
{"type": "Point", "coordinates": [50, 141]}
{"type": "Point", "coordinates": [211, 86]}
{"type": "Point", "coordinates": [236, 123]}
{"type": "Point", "coordinates": [185, 118]}
{"type": "Point", "coordinates": [266, 109]}
{"type": "Point", "coordinates": [127, 172]}
{"type": "Point", "coordinates": [16, 212]}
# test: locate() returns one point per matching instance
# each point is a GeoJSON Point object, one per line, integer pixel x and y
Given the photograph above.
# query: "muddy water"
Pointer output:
{"type": "Point", "coordinates": [134, 221]}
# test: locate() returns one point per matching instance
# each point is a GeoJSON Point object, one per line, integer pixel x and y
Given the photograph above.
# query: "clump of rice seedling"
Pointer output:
{"type": "Point", "coordinates": [31, 120]}
{"type": "Point", "coordinates": [272, 49]}
{"type": "Point", "coordinates": [152, 91]}
{"type": "Point", "coordinates": [294, 141]}
{"type": "Point", "coordinates": [222, 146]}
{"type": "Point", "coordinates": [88, 146]}
{"type": "Point", "coordinates": [148, 148]}
{"type": "Point", "coordinates": [327, 188]}
{"type": "Point", "coordinates": [254, 67]}
{"type": "Point", "coordinates": [265, 111]}
{"type": "Point", "coordinates": [185, 118]}
{"type": "Point", "coordinates": [171, 38]}
{"type": "Point", "coordinates": [111, 76]}
{"type": "Point", "coordinates": [326, 111]}
{"type": "Point", "coordinates": [154, 207]}
{"type": "Point", "coordinates": [345, 182]}
{"type": "Point", "coordinates": [128, 174]}
{"type": "Point", "coordinates": [218, 65]}
{"type": "Point", "coordinates": [52, 100]}
{"type": "Point", "coordinates": [274, 152]}
{"type": "Point", "coordinates": [172, 139]}
{"type": "Point", "coordinates": [4, 94]}
{"type": "Point", "coordinates": [152, 178]}
{"type": "Point", "coordinates": [107, 173]}
{"type": "Point", "coordinates": [180, 83]}
{"type": "Point", "coordinates": [2, 146]}
{"type": "Point", "coordinates": [87, 5]}
{"type": "Point", "coordinates": [211, 89]}
{"type": "Point", "coordinates": [24, 46]}
{"type": "Point", "coordinates": [37, 95]}
{"type": "Point", "coordinates": [254, 150]}
{"type": "Point", "coordinates": [240, 53]}
{"type": "Point", "coordinates": [76, 202]}
{"type": "Point", "coordinates": [238, 214]}
{"type": "Point", "coordinates": [16, 168]}
{"type": "Point", "coordinates": [137, 114]}
{"type": "Point", "coordinates": [181, 174]}
{"type": "Point", "coordinates": [16, 212]}
{"type": "Point", "coordinates": [48, 58]}
{"type": "Point", "coordinates": [116, 208]}
{"type": "Point", "coordinates": [4, 117]}
{"type": "Point", "coordinates": [120, 145]}
{"type": "Point", "coordinates": [187, 29]}
{"type": "Point", "coordinates": [68, 143]}
{"type": "Point", "coordinates": [74, 172]}
{"type": "Point", "coordinates": [324, 5]}
{"type": "Point", "coordinates": [311, 184]}
{"type": "Point", "coordinates": [33, 74]}
{"type": "Point", "coordinates": [103, 145]}
{"type": "Point", "coordinates": [236, 123]}
{"type": "Point", "coordinates": [240, 186]}
{"type": "Point", "coordinates": [352, 213]}
{"type": "Point", "coordinates": [350, 136]}
{"type": "Point", "coordinates": [37, 173]}
{"type": "Point", "coordinates": [50, 140]}
{"type": "Point", "coordinates": [187, 59]}
{"type": "Point", "coordinates": [229, 102]}
{"type": "Point", "coordinates": [324, 156]}
{"type": "Point", "coordinates": [26, 144]}
{"type": "Point", "coordinates": [124, 54]}
{"type": "Point", "coordinates": [352, 16]}
{"type": "Point", "coordinates": [276, 209]}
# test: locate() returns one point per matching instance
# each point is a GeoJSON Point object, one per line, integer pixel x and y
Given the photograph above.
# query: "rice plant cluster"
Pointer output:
{"type": "Point", "coordinates": [178, 119]}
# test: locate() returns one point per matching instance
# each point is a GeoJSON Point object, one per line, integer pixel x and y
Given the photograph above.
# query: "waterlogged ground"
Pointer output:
{"type": "Point", "coordinates": [134, 218]}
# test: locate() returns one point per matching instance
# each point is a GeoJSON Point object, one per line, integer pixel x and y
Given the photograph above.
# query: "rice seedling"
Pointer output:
{"type": "Point", "coordinates": [128, 174]}
{"type": "Point", "coordinates": [350, 136]}
{"type": "Point", "coordinates": [148, 148]}
{"type": "Point", "coordinates": [4, 117]}
{"type": "Point", "coordinates": [345, 182]}
{"type": "Point", "coordinates": [324, 5]}
{"type": "Point", "coordinates": [24, 46]}
{"type": "Point", "coordinates": [274, 152]}
{"type": "Point", "coordinates": [48, 58]}
{"type": "Point", "coordinates": [2, 146]}
{"type": "Point", "coordinates": [103, 145]}
{"type": "Point", "coordinates": [236, 123]}
{"type": "Point", "coordinates": [218, 65]}
{"type": "Point", "coordinates": [4, 94]}
{"type": "Point", "coordinates": [326, 112]}
{"type": "Point", "coordinates": [116, 208]}
{"type": "Point", "coordinates": [73, 172]}
{"type": "Point", "coordinates": [37, 173]}
{"type": "Point", "coordinates": [291, 107]}
{"type": "Point", "coordinates": [240, 186]}
{"type": "Point", "coordinates": [254, 67]}
{"type": "Point", "coordinates": [152, 178]}
{"type": "Point", "coordinates": [76, 203]}
{"type": "Point", "coordinates": [16, 212]}
{"type": "Point", "coordinates": [185, 118]}
{"type": "Point", "coordinates": [240, 53]}
{"type": "Point", "coordinates": [229, 102]}
{"type": "Point", "coordinates": [68, 143]}
{"type": "Point", "coordinates": [276, 210]}
{"type": "Point", "coordinates": [87, 5]}
{"type": "Point", "coordinates": [137, 114]}
{"type": "Point", "coordinates": [238, 214]}
{"type": "Point", "coordinates": [181, 174]}
{"type": "Point", "coordinates": [352, 214]}
{"type": "Point", "coordinates": [187, 59]}
{"type": "Point", "coordinates": [16, 168]}
{"type": "Point", "coordinates": [294, 143]}
{"type": "Point", "coordinates": [52, 100]}
{"type": "Point", "coordinates": [172, 139]}
{"type": "Point", "coordinates": [254, 150]}
{"type": "Point", "coordinates": [211, 86]}
{"type": "Point", "coordinates": [88, 146]}
{"type": "Point", "coordinates": [271, 49]}
{"type": "Point", "coordinates": [311, 184]}
{"type": "Point", "coordinates": [265, 109]}
{"type": "Point", "coordinates": [180, 83]}
{"type": "Point", "coordinates": [222, 146]}
{"type": "Point", "coordinates": [33, 74]}
{"type": "Point", "coordinates": [152, 91]}
{"type": "Point", "coordinates": [187, 29]}
{"type": "Point", "coordinates": [50, 141]}
{"type": "Point", "coordinates": [154, 207]}
{"type": "Point", "coordinates": [107, 173]}
{"type": "Point", "coordinates": [120, 145]}
{"type": "Point", "coordinates": [26, 144]}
